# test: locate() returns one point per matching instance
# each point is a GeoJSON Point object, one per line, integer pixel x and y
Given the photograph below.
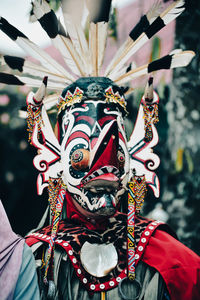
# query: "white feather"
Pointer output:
{"type": "Point", "coordinates": [93, 48]}
{"type": "Point", "coordinates": [51, 101]}
{"type": "Point", "coordinates": [32, 82]}
{"type": "Point", "coordinates": [45, 59]}
{"type": "Point", "coordinates": [179, 59]}
{"type": "Point", "coordinates": [62, 43]}
{"type": "Point", "coordinates": [129, 52]}
{"type": "Point", "coordinates": [39, 71]}
{"type": "Point", "coordinates": [182, 59]}
{"type": "Point", "coordinates": [132, 74]}
{"type": "Point", "coordinates": [173, 11]}
{"type": "Point", "coordinates": [69, 54]}
{"type": "Point", "coordinates": [40, 8]}
{"type": "Point", "coordinates": [102, 37]}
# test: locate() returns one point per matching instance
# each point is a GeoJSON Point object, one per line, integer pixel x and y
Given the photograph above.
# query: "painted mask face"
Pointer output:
{"type": "Point", "coordinates": [94, 155]}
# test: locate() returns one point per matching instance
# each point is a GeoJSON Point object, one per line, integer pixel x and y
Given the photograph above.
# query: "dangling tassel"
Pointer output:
{"type": "Point", "coordinates": [131, 232]}
{"type": "Point", "coordinates": [34, 116]}
{"type": "Point", "coordinates": [55, 225]}
{"type": "Point", "coordinates": [54, 187]}
{"type": "Point", "coordinates": [34, 108]}
{"type": "Point", "coordinates": [150, 110]}
{"type": "Point", "coordinates": [139, 188]}
{"type": "Point", "coordinates": [136, 194]}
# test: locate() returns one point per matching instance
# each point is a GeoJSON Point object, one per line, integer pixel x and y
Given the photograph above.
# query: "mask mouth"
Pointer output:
{"type": "Point", "coordinates": [107, 173]}
{"type": "Point", "coordinates": [101, 188]}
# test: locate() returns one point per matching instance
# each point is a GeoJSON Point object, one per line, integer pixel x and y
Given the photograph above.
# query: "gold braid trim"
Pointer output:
{"type": "Point", "coordinates": [150, 116]}
{"type": "Point", "coordinates": [34, 116]}
{"type": "Point", "coordinates": [55, 185]}
{"type": "Point", "coordinates": [140, 190]}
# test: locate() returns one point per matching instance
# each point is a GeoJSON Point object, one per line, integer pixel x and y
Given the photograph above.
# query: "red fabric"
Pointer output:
{"type": "Point", "coordinates": [177, 264]}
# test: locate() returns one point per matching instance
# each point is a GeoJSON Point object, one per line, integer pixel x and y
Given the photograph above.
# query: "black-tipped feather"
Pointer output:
{"type": "Point", "coordinates": [14, 62]}
{"type": "Point", "coordinates": [10, 79]}
{"type": "Point", "coordinates": [142, 33]}
{"type": "Point", "coordinates": [141, 26]}
{"type": "Point", "coordinates": [10, 30]}
{"type": "Point", "coordinates": [51, 25]}
{"type": "Point", "coordinates": [162, 63]}
{"type": "Point", "coordinates": [99, 10]}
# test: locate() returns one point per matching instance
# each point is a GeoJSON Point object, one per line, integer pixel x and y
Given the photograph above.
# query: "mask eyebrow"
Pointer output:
{"type": "Point", "coordinates": [77, 134]}
{"type": "Point", "coordinates": [103, 120]}
{"type": "Point", "coordinates": [85, 118]}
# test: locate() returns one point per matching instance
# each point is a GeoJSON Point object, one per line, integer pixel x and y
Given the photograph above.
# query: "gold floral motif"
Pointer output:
{"type": "Point", "coordinates": [112, 97]}
{"type": "Point", "coordinates": [70, 99]}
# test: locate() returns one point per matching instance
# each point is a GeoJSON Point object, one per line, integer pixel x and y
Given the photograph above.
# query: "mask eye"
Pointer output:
{"type": "Point", "coordinates": [80, 159]}
{"type": "Point", "coordinates": [121, 159]}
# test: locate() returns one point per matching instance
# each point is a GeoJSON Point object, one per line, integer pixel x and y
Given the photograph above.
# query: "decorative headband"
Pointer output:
{"type": "Point", "coordinates": [94, 88]}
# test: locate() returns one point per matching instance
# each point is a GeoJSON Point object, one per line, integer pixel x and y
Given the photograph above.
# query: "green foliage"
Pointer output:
{"type": "Point", "coordinates": [156, 48]}
{"type": "Point", "coordinates": [55, 4]}
{"type": "Point", "coordinates": [113, 24]}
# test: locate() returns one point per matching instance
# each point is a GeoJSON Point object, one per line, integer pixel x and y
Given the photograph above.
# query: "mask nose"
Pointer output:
{"type": "Point", "coordinates": [106, 153]}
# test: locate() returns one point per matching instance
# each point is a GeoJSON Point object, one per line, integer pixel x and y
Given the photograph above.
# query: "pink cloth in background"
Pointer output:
{"type": "Point", "coordinates": [11, 249]}
{"type": "Point", "coordinates": [127, 18]}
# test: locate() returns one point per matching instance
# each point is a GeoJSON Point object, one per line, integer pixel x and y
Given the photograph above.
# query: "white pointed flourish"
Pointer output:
{"type": "Point", "coordinates": [168, 15]}
{"type": "Point", "coordinates": [142, 159]}
{"type": "Point", "coordinates": [48, 160]}
{"type": "Point", "coordinates": [41, 92]}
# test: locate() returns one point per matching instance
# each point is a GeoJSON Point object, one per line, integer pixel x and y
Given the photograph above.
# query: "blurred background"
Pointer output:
{"type": "Point", "coordinates": [179, 126]}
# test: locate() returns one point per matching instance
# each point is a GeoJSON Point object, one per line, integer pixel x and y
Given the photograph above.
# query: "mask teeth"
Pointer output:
{"type": "Point", "coordinates": [100, 172]}
{"type": "Point", "coordinates": [114, 202]}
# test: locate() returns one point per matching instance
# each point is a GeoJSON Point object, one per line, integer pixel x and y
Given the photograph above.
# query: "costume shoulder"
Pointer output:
{"type": "Point", "coordinates": [178, 265]}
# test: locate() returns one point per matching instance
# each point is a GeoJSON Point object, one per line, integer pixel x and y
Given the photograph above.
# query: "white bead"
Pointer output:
{"type": "Point", "coordinates": [74, 260]}
{"type": "Point", "coordinates": [154, 223]}
{"type": "Point", "coordinates": [70, 252]}
{"type": "Point", "coordinates": [92, 287]}
{"type": "Point", "coordinates": [151, 227]}
{"type": "Point", "coordinates": [79, 271]}
{"type": "Point", "coordinates": [137, 256]}
{"type": "Point", "coordinates": [140, 248]}
{"type": "Point", "coordinates": [143, 240]}
{"type": "Point", "coordinates": [65, 244]}
{"type": "Point", "coordinates": [147, 233]}
{"type": "Point", "coordinates": [84, 280]}
{"type": "Point", "coordinates": [111, 283]}
{"type": "Point", "coordinates": [102, 286]}
{"type": "Point", "coordinates": [118, 279]}
{"type": "Point", "coordinates": [58, 241]}
{"type": "Point", "coordinates": [44, 236]}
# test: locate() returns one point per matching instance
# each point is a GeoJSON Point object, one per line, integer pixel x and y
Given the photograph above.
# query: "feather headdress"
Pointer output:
{"type": "Point", "coordinates": [83, 54]}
